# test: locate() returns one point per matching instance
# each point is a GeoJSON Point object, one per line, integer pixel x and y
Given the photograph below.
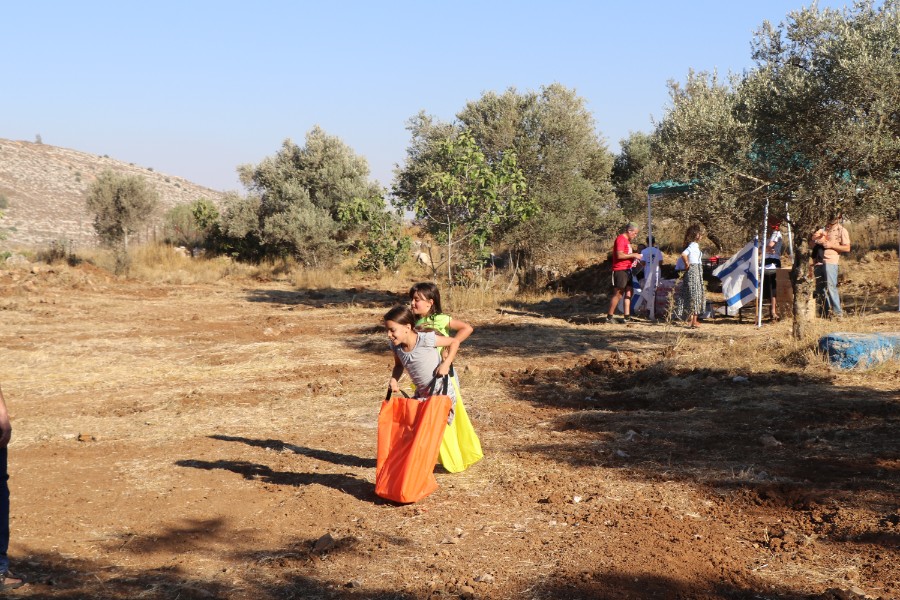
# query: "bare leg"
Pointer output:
{"type": "Point", "coordinates": [614, 302]}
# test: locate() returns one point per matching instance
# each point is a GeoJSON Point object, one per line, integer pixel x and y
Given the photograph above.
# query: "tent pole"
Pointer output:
{"type": "Point", "coordinates": [652, 303]}
{"type": "Point", "coordinates": [787, 217]}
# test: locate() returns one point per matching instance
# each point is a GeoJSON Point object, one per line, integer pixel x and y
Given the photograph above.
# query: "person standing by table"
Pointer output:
{"type": "Point", "coordinates": [691, 298]}
{"type": "Point", "coordinates": [773, 262]}
{"type": "Point", "coordinates": [836, 241]}
{"type": "Point", "coordinates": [623, 259]}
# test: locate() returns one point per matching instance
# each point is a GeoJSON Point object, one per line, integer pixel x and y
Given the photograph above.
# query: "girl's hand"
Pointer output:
{"type": "Point", "coordinates": [443, 369]}
{"type": "Point", "coordinates": [394, 385]}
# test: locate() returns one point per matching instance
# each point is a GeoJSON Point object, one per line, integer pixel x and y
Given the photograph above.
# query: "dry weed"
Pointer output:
{"type": "Point", "coordinates": [159, 263]}
{"type": "Point", "coordinates": [462, 299]}
{"type": "Point", "coordinates": [772, 349]}
{"type": "Point", "coordinates": [871, 234]}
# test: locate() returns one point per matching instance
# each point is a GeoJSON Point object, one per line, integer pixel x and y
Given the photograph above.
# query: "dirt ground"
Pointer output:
{"type": "Point", "coordinates": [217, 441]}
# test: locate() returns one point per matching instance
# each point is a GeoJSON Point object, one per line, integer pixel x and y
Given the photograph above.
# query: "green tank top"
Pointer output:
{"type": "Point", "coordinates": [439, 323]}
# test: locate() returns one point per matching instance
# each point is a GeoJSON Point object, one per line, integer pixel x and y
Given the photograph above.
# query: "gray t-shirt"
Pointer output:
{"type": "Point", "coordinates": [421, 364]}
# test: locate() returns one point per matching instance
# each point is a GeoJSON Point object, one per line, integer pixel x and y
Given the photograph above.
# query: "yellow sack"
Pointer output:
{"type": "Point", "coordinates": [460, 447]}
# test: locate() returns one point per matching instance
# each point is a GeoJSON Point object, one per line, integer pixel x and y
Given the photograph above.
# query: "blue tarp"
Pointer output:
{"type": "Point", "coordinates": [860, 350]}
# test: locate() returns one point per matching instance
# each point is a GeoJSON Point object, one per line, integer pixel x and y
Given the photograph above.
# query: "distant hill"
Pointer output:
{"type": "Point", "coordinates": [44, 187]}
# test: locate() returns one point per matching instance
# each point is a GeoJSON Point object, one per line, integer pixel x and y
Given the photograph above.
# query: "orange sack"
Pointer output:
{"type": "Point", "coordinates": [410, 431]}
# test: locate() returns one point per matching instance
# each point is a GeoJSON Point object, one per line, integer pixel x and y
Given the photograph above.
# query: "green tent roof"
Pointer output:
{"type": "Point", "coordinates": [670, 186]}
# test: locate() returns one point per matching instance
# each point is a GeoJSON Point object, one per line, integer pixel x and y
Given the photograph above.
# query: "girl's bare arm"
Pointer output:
{"type": "Point", "coordinates": [463, 330]}
{"type": "Point", "coordinates": [396, 374]}
{"type": "Point", "coordinates": [452, 345]}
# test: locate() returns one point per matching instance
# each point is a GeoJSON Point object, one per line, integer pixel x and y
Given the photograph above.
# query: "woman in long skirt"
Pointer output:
{"type": "Point", "coordinates": [691, 298]}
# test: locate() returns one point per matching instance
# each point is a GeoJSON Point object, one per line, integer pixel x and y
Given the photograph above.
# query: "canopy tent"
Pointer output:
{"type": "Point", "coordinates": [670, 186]}
{"type": "Point", "coordinates": [665, 188]}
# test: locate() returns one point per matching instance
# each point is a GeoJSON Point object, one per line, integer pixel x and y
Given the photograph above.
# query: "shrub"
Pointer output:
{"type": "Point", "coordinates": [61, 250]}
{"type": "Point", "coordinates": [120, 204]}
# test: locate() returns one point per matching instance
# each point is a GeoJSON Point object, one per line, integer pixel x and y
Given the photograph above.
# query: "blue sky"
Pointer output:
{"type": "Point", "coordinates": [196, 88]}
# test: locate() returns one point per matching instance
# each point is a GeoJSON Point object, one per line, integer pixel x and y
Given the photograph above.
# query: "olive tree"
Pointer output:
{"type": "Point", "coordinates": [635, 168]}
{"type": "Point", "coordinates": [121, 204]}
{"type": "Point", "coordinates": [237, 228]}
{"type": "Point", "coordinates": [814, 124]}
{"type": "Point", "coordinates": [822, 106]}
{"type": "Point", "coordinates": [565, 162]}
{"type": "Point", "coordinates": [701, 139]}
{"type": "Point", "coordinates": [464, 200]}
{"type": "Point", "coordinates": [302, 191]}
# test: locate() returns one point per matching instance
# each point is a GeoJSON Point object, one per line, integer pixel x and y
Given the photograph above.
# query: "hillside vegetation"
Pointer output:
{"type": "Point", "coordinates": [44, 187]}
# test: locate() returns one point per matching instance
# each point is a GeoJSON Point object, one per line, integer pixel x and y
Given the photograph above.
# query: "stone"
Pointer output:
{"type": "Point", "coordinates": [324, 544]}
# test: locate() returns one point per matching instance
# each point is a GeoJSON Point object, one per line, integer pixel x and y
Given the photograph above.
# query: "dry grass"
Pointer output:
{"type": "Point", "coordinates": [201, 376]}
{"type": "Point", "coordinates": [161, 264]}
{"type": "Point", "coordinates": [871, 234]}
{"type": "Point", "coordinates": [750, 351]}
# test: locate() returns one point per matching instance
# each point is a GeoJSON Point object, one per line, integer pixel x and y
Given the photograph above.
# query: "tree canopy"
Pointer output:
{"type": "Point", "coordinates": [303, 193]}
{"type": "Point", "coordinates": [120, 205]}
{"type": "Point", "coordinates": [564, 162]}
{"type": "Point", "coordinates": [815, 123]}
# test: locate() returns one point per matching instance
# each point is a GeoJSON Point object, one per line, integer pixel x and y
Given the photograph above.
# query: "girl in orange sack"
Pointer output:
{"type": "Point", "coordinates": [411, 430]}
{"type": "Point", "coordinates": [460, 447]}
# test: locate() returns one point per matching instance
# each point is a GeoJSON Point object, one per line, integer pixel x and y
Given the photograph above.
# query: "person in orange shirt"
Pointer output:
{"type": "Point", "coordinates": [836, 241]}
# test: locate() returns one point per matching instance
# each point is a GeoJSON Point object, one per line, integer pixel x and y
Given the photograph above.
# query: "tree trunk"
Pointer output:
{"type": "Point", "coordinates": [803, 285]}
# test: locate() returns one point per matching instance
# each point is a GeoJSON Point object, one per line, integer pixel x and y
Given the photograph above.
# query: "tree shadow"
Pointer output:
{"type": "Point", "coordinates": [347, 460]}
{"type": "Point", "coordinates": [329, 297]}
{"type": "Point", "coordinates": [533, 340]}
{"type": "Point", "coordinates": [58, 577]}
{"type": "Point", "coordinates": [578, 309]}
{"type": "Point", "coordinates": [525, 339]}
{"type": "Point", "coordinates": [605, 585]}
{"type": "Point", "coordinates": [358, 488]}
{"type": "Point", "coordinates": [292, 570]}
{"type": "Point", "coordinates": [795, 439]}
{"type": "Point", "coordinates": [192, 533]}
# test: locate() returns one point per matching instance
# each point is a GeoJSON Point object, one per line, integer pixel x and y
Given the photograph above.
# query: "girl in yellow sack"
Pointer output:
{"type": "Point", "coordinates": [460, 447]}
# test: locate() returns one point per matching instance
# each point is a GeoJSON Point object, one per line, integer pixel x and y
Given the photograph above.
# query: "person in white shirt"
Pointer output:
{"type": "Point", "coordinates": [772, 262]}
{"type": "Point", "coordinates": [651, 258]}
{"type": "Point", "coordinates": [691, 298]}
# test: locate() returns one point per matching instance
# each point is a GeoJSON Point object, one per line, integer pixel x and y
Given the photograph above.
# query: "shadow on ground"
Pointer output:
{"type": "Point", "coordinates": [328, 297]}
{"type": "Point", "coordinates": [347, 460]}
{"type": "Point", "coordinates": [358, 488]}
{"type": "Point", "coordinates": [263, 575]}
{"type": "Point", "coordinates": [270, 574]}
{"type": "Point", "coordinates": [791, 437]}
{"type": "Point", "coordinates": [530, 339]}
{"type": "Point", "coordinates": [602, 585]}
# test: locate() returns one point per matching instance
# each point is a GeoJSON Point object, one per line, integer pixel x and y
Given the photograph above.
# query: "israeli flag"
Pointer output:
{"type": "Point", "coordinates": [738, 275]}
